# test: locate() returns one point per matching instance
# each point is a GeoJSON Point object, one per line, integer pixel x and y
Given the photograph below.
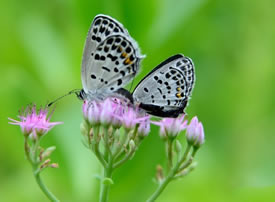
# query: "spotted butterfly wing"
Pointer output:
{"type": "Point", "coordinates": [110, 60]}
{"type": "Point", "coordinates": [165, 91]}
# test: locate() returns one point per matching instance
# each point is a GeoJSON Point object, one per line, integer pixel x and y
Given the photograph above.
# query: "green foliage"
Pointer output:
{"type": "Point", "coordinates": [232, 45]}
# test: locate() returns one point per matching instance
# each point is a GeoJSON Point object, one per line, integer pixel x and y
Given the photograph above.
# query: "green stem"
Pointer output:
{"type": "Point", "coordinates": [42, 185]}
{"type": "Point", "coordinates": [119, 149]}
{"type": "Point", "coordinates": [126, 158]}
{"type": "Point", "coordinates": [95, 146]}
{"type": "Point", "coordinates": [106, 142]}
{"type": "Point", "coordinates": [170, 154]}
{"type": "Point", "coordinates": [105, 187]}
{"type": "Point", "coordinates": [169, 177]}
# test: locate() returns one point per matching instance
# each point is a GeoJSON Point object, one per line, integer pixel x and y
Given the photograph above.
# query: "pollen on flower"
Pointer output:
{"type": "Point", "coordinates": [33, 121]}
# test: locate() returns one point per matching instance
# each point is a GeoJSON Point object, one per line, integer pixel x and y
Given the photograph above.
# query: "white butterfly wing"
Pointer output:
{"type": "Point", "coordinates": [111, 57]}
{"type": "Point", "coordinates": [165, 91]}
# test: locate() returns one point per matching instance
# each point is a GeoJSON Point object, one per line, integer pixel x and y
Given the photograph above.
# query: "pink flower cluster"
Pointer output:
{"type": "Point", "coordinates": [33, 122]}
{"type": "Point", "coordinates": [117, 113]}
{"type": "Point", "coordinates": [171, 127]}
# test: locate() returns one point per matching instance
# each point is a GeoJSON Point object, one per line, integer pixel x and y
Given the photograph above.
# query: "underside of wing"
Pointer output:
{"type": "Point", "coordinates": [100, 56]}
{"type": "Point", "coordinates": [114, 63]}
{"type": "Point", "coordinates": [165, 91]}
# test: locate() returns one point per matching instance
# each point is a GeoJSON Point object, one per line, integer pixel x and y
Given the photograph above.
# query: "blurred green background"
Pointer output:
{"type": "Point", "coordinates": [232, 44]}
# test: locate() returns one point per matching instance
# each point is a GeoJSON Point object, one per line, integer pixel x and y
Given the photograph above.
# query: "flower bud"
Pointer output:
{"type": "Point", "coordinates": [195, 133]}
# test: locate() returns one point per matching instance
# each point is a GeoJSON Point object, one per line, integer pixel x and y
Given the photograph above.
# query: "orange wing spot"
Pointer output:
{"type": "Point", "coordinates": [178, 95]}
{"type": "Point", "coordinates": [124, 54]}
{"type": "Point", "coordinates": [178, 88]}
{"type": "Point", "coordinates": [128, 61]}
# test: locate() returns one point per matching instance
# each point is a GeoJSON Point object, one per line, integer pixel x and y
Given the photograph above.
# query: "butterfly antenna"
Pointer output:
{"type": "Point", "coordinates": [75, 91]}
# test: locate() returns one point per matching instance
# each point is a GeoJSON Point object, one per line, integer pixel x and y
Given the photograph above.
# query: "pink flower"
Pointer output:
{"type": "Point", "coordinates": [104, 112]}
{"type": "Point", "coordinates": [144, 127]}
{"type": "Point", "coordinates": [170, 127]}
{"type": "Point", "coordinates": [195, 132]}
{"type": "Point", "coordinates": [31, 121]}
{"type": "Point", "coordinates": [115, 112]}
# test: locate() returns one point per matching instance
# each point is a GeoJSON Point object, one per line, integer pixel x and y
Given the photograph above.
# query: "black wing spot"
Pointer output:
{"type": "Point", "coordinates": [178, 64]}
{"type": "Point", "coordinates": [173, 71]}
{"type": "Point", "coordinates": [166, 83]}
{"type": "Point", "coordinates": [97, 57]}
{"type": "Point", "coordinates": [168, 102]}
{"type": "Point", "coordinates": [105, 22]}
{"type": "Point", "coordinates": [98, 39]}
{"type": "Point", "coordinates": [119, 50]}
{"type": "Point", "coordinates": [122, 73]}
{"type": "Point", "coordinates": [160, 91]}
{"type": "Point", "coordinates": [168, 87]}
{"type": "Point", "coordinates": [178, 75]}
{"type": "Point", "coordinates": [106, 69]}
{"type": "Point", "coordinates": [95, 30]}
{"type": "Point", "coordinates": [119, 82]}
{"type": "Point", "coordinates": [102, 57]}
{"type": "Point", "coordinates": [115, 69]}
{"type": "Point", "coordinates": [185, 60]}
{"type": "Point", "coordinates": [93, 76]}
{"type": "Point", "coordinates": [160, 81]}
{"type": "Point", "coordinates": [123, 43]}
{"type": "Point", "coordinates": [167, 75]}
{"type": "Point", "coordinates": [111, 88]}
{"type": "Point", "coordinates": [94, 37]}
{"type": "Point", "coordinates": [152, 96]}
{"type": "Point", "coordinates": [114, 47]}
{"type": "Point", "coordinates": [146, 90]}
{"type": "Point", "coordinates": [106, 82]}
{"type": "Point", "coordinates": [97, 22]}
{"type": "Point", "coordinates": [106, 49]}
{"type": "Point", "coordinates": [102, 29]}
{"type": "Point", "coordinates": [132, 57]}
{"type": "Point", "coordinates": [117, 63]}
{"type": "Point", "coordinates": [174, 78]}
{"type": "Point", "coordinates": [116, 30]}
{"type": "Point", "coordinates": [102, 80]}
{"type": "Point", "coordinates": [118, 40]}
{"type": "Point", "coordinates": [128, 49]}
{"type": "Point", "coordinates": [156, 78]}
{"type": "Point", "coordinates": [110, 41]}
{"type": "Point", "coordinates": [111, 25]}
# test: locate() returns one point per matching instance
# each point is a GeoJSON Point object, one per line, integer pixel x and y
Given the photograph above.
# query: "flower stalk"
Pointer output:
{"type": "Point", "coordinates": [170, 128]}
{"type": "Point", "coordinates": [107, 120]}
{"type": "Point", "coordinates": [34, 125]}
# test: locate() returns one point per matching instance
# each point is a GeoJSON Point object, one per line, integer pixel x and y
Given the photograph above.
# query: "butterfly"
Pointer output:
{"type": "Point", "coordinates": [165, 91]}
{"type": "Point", "coordinates": [111, 59]}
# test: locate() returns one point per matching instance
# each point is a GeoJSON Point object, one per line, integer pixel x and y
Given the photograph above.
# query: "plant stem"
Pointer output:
{"type": "Point", "coordinates": [170, 154]}
{"type": "Point", "coordinates": [170, 176]}
{"type": "Point", "coordinates": [43, 186]}
{"type": "Point", "coordinates": [105, 187]}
